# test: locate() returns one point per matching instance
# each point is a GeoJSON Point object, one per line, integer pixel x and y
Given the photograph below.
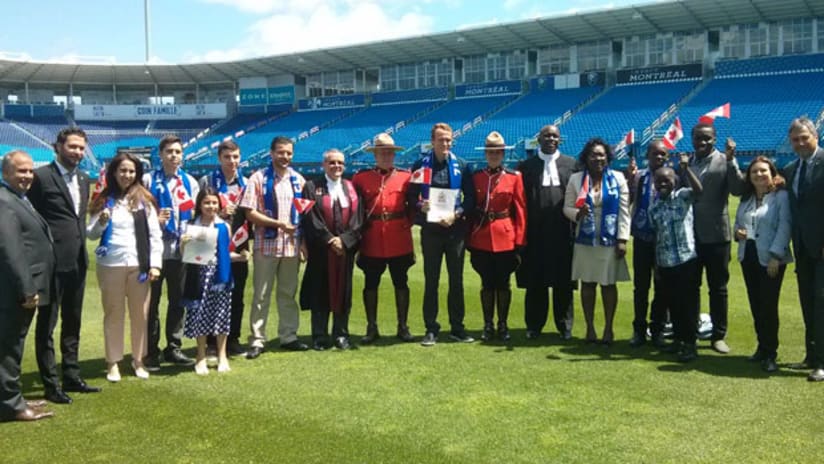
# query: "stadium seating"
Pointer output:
{"type": "Point", "coordinates": [620, 109]}
{"type": "Point", "coordinates": [770, 65]}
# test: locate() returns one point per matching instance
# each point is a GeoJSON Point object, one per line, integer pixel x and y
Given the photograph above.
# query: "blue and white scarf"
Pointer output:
{"type": "Point", "coordinates": [164, 200]}
{"type": "Point", "coordinates": [106, 239]}
{"type": "Point", "coordinates": [270, 202]}
{"type": "Point", "coordinates": [610, 203]}
{"type": "Point", "coordinates": [218, 181]}
{"type": "Point", "coordinates": [641, 226]}
{"type": "Point", "coordinates": [453, 169]}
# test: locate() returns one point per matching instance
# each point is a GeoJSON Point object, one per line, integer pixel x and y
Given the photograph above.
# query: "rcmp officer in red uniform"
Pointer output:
{"type": "Point", "coordinates": [387, 234]}
{"type": "Point", "coordinates": [497, 232]}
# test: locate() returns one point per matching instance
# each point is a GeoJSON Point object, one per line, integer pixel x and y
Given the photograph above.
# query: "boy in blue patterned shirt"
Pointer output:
{"type": "Point", "coordinates": [671, 218]}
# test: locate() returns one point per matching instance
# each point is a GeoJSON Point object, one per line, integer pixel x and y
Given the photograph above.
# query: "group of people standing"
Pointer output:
{"type": "Point", "coordinates": [554, 221]}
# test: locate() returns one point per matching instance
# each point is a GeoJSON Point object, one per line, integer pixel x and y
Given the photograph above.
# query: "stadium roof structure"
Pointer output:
{"type": "Point", "coordinates": [635, 20]}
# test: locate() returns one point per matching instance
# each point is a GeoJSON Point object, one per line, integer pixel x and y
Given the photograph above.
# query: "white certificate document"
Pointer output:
{"type": "Point", "coordinates": [201, 248]}
{"type": "Point", "coordinates": [441, 203]}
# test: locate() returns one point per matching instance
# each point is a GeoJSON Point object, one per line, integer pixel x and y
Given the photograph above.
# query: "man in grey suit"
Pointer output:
{"type": "Point", "coordinates": [720, 177]}
{"type": "Point", "coordinates": [805, 182]}
{"type": "Point", "coordinates": [26, 279]}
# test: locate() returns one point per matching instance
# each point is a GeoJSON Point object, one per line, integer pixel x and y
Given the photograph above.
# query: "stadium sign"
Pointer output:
{"type": "Point", "coordinates": [281, 95]}
{"type": "Point", "coordinates": [488, 89]}
{"type": "Point", "coordinates": [253, 96]}
{"type": "Point", "coordinates": [325, 103]}
{"type": "Point", "coordinates": [659, 74]}
{"type": "Point", "coordinates": [146, 112]}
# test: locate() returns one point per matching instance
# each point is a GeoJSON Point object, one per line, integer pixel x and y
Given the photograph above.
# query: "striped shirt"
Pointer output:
{"type": "Point", "coordinates": [283, 245]}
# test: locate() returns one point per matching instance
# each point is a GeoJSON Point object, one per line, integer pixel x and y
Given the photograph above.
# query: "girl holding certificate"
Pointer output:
{"type": "Point", "coordinates": [207, 290]}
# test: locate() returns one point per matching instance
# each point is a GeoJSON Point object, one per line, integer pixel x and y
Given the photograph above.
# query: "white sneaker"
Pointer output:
{"type": "Point", "coordinates": [140, 372]}
{"type": "Point", "coordinates": [113, 373]}
{"type": "Point", "coordinates": [201, 368]}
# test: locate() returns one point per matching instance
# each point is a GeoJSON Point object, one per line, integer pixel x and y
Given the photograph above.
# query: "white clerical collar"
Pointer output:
{"type": "Point", "coordinates": [332, 183]}
{"type": "Point", "coordinates": [551, 157]}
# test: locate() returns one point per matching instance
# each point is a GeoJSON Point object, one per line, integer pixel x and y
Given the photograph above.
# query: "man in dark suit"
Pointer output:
{"type": "Point", "coordinates": [60, 193]}
{"type": "Point", "coordinates": [805, 183]}
{"type": "Point", "coordinates": [26, 276]}
{"type": "Point", "coordinates": [547, 257]}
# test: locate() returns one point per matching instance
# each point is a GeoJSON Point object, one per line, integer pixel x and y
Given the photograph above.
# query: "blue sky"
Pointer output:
{"type": "Point", "coordinates": [184, 31]}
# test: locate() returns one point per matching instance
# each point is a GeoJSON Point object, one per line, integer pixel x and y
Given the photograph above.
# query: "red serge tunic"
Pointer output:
{"type": "Point", "coordinates": [387, 230]}
{"type": "Point", "coordinates": [500, 212]}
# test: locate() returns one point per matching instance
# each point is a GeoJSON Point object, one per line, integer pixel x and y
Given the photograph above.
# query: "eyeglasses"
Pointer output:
{"type": "Point", "coordinates": [335, 163]}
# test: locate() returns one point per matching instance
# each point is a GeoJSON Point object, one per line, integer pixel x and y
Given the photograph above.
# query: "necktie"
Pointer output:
{"type": "Point", "coordinates": [802, 177]}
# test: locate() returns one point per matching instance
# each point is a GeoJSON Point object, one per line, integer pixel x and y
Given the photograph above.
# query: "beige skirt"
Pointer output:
{"type": "Point", "coordinates": [598, 264]}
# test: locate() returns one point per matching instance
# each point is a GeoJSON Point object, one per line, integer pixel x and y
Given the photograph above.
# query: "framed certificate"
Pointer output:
{"type": "Point", "coordinates": [441, 203]}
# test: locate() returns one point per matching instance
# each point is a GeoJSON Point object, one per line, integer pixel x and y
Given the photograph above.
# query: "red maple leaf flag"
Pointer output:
{"type": "Point", "coordinates": [100, 184]}
{"type": "Point", "coordinates": [628, 140]}
{"type": "Point", "coordinates": [303, 205]}
{"type": "Point", "coordinates": [422, 175]}
{"type": "Point", "coordinates": [582, 195]}
{"type": "Point", "coordinates": [182, 198]}
{"type": "Point", "coordinates": [239, 237]}
{"type": "Point", "coordinates": [673, 135]}
{"type": "Point", "coordinates": [722, 111]}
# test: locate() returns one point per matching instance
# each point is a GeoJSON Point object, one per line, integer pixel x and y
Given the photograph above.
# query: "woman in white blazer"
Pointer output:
{"type": "Point", "coordinates": [762, 229]}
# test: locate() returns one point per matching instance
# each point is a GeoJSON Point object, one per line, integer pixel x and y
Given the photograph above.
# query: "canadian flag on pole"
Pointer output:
{"type": "Point", "coordinates": [722, 111]}
{"type": "Point", "coordinates": [239, 237]}
{"type": "Point", "coordinates": [627, 141]}
{"type": "Point", "coordinates": [100, 184]}
{"type": "Point", "coordinates": [582, 195]}
{"type": "Point", "coordinates": [182, 198]}
{"type": "Point", "coordinates": [673, 135]}
{"type": "Point", "coordinates": [302, 205]}
{"type": "Point", "coordinates": [422, 175]}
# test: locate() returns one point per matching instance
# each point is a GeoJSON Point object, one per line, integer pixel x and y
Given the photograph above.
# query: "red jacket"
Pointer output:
{"type": "Point", "coordinates": [500, 223]}
{"type": "Point", "coordinates": [387, 230]}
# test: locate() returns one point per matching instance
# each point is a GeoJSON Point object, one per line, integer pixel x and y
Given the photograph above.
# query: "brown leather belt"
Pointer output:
{"type": "Point", "coordinates": [387, 216]}
{"type": "Point", "coordinates": [493, 215]}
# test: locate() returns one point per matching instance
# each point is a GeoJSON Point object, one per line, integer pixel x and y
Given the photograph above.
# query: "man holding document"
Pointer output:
{"type": "Point", "coordinates": [441, 189]}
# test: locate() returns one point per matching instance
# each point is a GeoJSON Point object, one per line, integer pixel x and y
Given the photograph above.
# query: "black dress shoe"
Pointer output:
{"type": "Point", "coordinates": [758, 356]}
{"type": "Point", "coordinates": [151, 363]}
{"type": "Point", "coordinates": [659, 341]}
{"type": "Point", "coordinates": [769, 365]}
{"type": "Point", "coordinates": [234, 348]}
{"type": "Point", "coordinates": [295, 345]}
{"type": "Point", "coordinates": [176, 357]}
{"type": "Point", "coordinates": [57, 396]}
{"type": "Point", "coordinates": [320, 345]}
{"type": "Point", "coordinates": [533, 334]}
{"type": "Point", "coordinates": [638, 339]}
{"type": "Point", "coordinates": [687, 354]}
{"type": "Point", "coordinates": [566, 335]}
{"type": "Point", "coordinates": [404, 335]}
{"type": "Point", "coordinates": [79, 385]}
{"type": "Point", "coordinates": [253, 352]}
{"type": "Point", "coordinates": [29, 415]}
{"type": "Point", "coordinates": [488, 333]}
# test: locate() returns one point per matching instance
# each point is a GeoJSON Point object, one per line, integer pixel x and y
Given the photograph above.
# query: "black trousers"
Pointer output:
{"type": "Point", "coordinates": [536, 307]}
{"type": "Point", "coordinates": [373, 268]}
{"type": "Point", "coordinates": [240, 272]}
{"type": "Point", "coordinates": [643, 265]}
{"type": "Point", "coordinates": [173, 276]}
{"type": "Point", "coordinates": [684, 282]}
{"type": "Point", "coordinates": [715, 258]}
{"type": "Point", "coordinates": [320, 323]}
{"type": "Point", "coordinates": [495, 269]}
{"type": "Point", "coordinates": [763, 292]}
{"type": "Point", "coordinates": [44, 343]}
{"type": "Point", "coordinates": [434, 246]}
{"type": "Point", "coordinates": [810, 275]}
{"type": "Point", "coordinates": [70, 289]}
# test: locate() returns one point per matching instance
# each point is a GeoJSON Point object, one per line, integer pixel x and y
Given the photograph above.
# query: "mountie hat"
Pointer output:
{"type": "Point", "coordinates": [384, 140]}
{"type": "Point", "coordinates": [495, 141]}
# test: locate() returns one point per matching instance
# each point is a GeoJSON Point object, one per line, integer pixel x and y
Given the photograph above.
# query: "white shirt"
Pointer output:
{"type": "Point", "coordinates": [335, 188]}
{"type": "Point", "coordinates": [551, 178]}
{"type": "Point", "coordinates": [70, 177]}
{"type": "Point", "coordinates": [123, 246]}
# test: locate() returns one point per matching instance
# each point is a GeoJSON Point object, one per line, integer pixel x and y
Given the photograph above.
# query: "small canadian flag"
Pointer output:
{"type": "Point", "coordinates": [422, 175]}
{"type": "Point", "coordinates": [182, 198]}
{"type": "Point", "coordinates": [303, 205]}
{"type": "Point", "coordinates": [722, 111]}
{"type": "Point", "coordinates": [673, 135]}
{"type": "Point", "coordinates": [582, 195]}
{"type": "Point", "coordinates": [239, 237]}
{"type": "Point", "coordinates": [100, 184]}
{"type": "Point", "coordinates": [628, 140]}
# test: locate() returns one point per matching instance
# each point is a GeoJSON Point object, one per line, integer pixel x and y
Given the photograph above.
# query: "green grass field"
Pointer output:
{"type": "Point", "coordinates": [539, 401]}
